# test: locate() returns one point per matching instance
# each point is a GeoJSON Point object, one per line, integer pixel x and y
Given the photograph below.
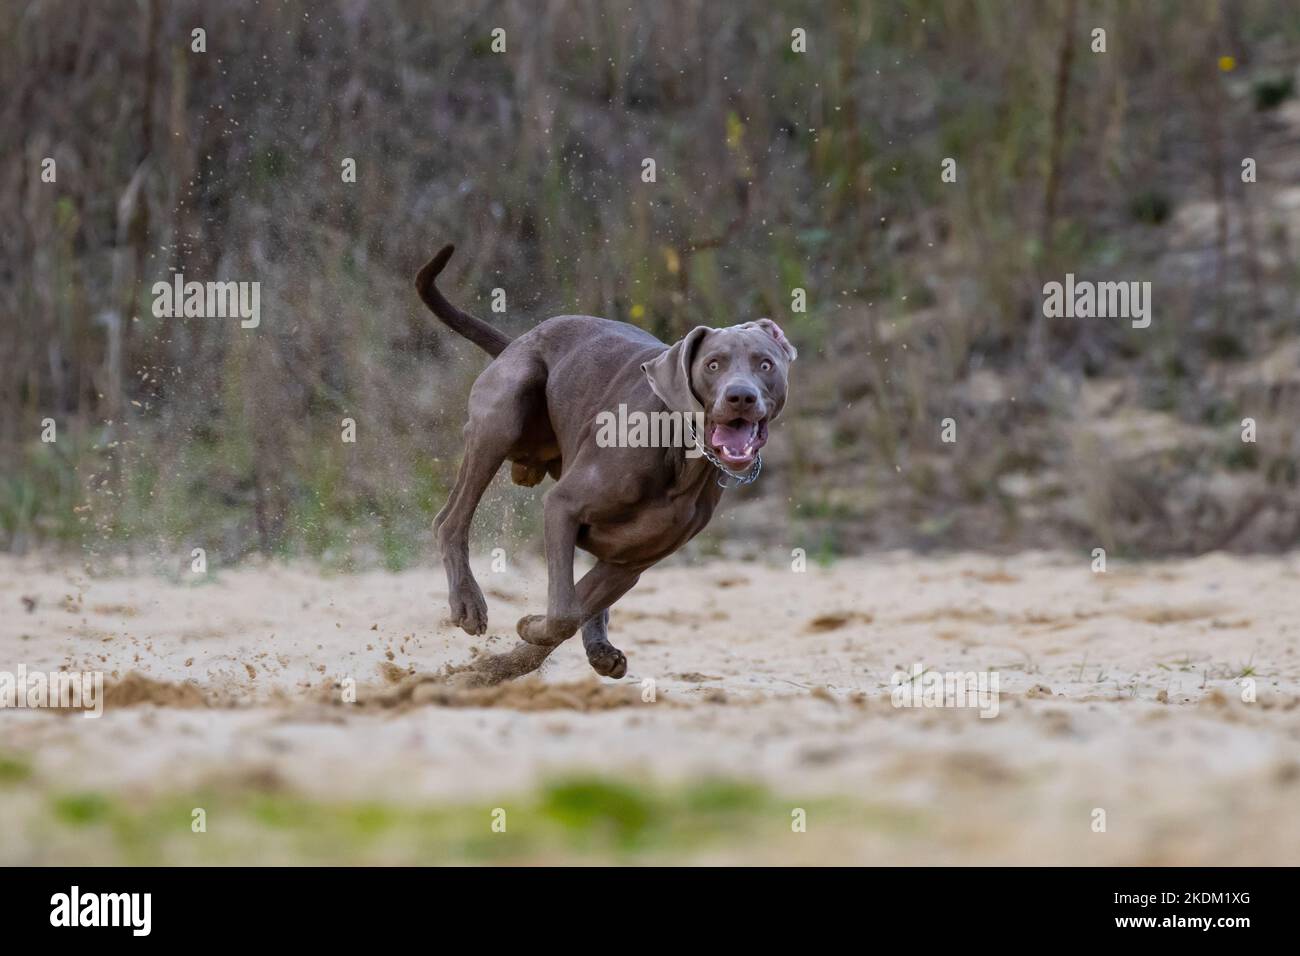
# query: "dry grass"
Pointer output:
{"type": "Point", "coordinates": [776, 171]}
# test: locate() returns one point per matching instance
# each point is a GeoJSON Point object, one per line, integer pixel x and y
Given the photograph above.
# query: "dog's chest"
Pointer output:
{"type": "Point", "coordinates": [648, 533]}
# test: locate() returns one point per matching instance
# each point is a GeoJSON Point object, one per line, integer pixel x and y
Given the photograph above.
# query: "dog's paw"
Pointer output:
{"type": "Point", "coordinates": [532, 628]}
{"type": "Point", "coordinates": [469, 609]}
{"type": "Point", "coordinates": [607, 660]}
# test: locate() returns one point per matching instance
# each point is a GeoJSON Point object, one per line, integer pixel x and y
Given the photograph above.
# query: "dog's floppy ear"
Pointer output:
{"type": "Point", "coordinates": [670, 372]}
{"type": "Point", "coordinates": [774, 330]}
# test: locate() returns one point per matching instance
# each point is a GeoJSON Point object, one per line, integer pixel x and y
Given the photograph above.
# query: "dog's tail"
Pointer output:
{"type": "Point", "coordinates": [477, 331]}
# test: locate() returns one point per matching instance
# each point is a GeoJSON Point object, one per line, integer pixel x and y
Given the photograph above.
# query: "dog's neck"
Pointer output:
{"type": "Point", "coordinates": [694, 476]}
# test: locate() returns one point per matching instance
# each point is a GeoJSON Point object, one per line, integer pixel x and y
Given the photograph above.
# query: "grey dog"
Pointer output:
{"type": "Point", "coordinates": [537, 404]}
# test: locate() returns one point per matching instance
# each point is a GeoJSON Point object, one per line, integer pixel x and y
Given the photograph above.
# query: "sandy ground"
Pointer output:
{"type": "Point", "coordinates": [1120, 691]}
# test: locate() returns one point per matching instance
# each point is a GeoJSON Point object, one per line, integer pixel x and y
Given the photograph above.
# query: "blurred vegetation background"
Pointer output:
{"type": "Point", "coordinates": [776, 170]}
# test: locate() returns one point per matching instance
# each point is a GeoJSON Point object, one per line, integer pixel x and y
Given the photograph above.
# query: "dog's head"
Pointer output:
{"type": "Point", "coordinates": [737, 377]}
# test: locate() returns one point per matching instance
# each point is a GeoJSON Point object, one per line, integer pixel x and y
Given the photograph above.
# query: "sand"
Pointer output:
{"type": "Point", "coordinates": [1120, 692]}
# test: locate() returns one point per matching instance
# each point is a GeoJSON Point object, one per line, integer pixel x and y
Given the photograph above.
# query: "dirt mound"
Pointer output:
{"type": "Point", "coordinates": [493, 669]}
{"type": "Point", "coordinates": [834, 620]}
{"type": "Point", "coordinates": [490, 681]}
{"type": "Point", "coordinates": [438, 690]}
{"type": "Point", "coordinates": [135, 689]}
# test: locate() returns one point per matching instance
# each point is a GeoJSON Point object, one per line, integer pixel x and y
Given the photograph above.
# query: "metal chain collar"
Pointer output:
{"type": "Point", "coordinates": [746, 479]}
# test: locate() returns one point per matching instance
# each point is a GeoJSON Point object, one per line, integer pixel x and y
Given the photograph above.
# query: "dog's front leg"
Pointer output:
{"type": "Point", "coordinates": [563, 613]}
{"type": "Point", "coordinates": [599, 588]}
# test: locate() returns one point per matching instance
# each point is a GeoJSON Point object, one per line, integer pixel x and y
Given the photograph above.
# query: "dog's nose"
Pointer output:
{"type": "Point", "coordinates": [740, 396]}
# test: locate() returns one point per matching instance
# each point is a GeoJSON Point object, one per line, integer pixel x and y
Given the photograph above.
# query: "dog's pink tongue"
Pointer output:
{"type": "Point", "coordinates": [732, 439]}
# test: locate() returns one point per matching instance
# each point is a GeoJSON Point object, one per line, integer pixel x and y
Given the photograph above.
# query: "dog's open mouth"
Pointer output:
{"type": "Point", "coordinates": [736, 442]}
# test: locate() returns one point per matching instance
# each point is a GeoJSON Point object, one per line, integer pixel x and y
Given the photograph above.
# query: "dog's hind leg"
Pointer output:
{"type": "Point", "coordinates": [451, 528]}
{"type": "Point", "coordinates": [605, 659]}
{"type": "Point", "coordinates": [499, 407]}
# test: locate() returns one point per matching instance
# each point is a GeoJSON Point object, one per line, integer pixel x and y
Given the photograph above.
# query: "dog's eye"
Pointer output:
{"type": "Point", "coordinates": [765, 366]}
{"type": "Point", "coordinates": [713, 366]}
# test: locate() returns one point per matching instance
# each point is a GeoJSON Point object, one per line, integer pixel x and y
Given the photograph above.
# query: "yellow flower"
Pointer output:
{"type": "Point", "coordinates": [638, 311]}
{"type": "Point", "coordinates": [735, 131]}
{"type": "Point", "coordinates": [1227, 64]}
{"type": "Point", "coordinates": [671, 260]}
